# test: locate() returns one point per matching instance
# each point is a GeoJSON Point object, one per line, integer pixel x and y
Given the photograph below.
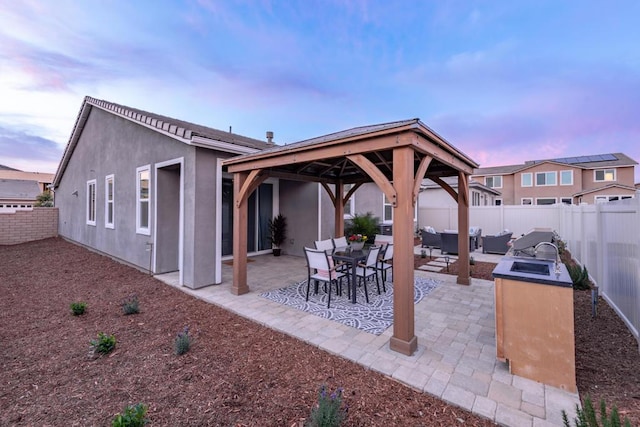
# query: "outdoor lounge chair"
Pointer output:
{"type": "Point", "coordinates": [497, 244]}
{"type": "Point", "coordinates": [430, 239]}
{"type": "Point", "coordinates": [450, 243]}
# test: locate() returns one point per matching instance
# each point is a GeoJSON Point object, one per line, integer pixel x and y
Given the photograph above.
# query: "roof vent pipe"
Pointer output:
{"type": "Point", "coordinates": [269, 137]}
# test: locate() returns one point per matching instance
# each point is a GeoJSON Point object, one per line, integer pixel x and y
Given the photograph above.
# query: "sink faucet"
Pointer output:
{"type": "Point", "coordinates": [557, 260]}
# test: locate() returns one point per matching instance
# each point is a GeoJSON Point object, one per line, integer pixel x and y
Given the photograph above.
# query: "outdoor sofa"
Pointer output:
{"type": "Point", "coordinates": [449, 242]}
{"type": "Point", "coordinates": [430, 238]}
{"type": "Point", "coordinates": [498, 244]}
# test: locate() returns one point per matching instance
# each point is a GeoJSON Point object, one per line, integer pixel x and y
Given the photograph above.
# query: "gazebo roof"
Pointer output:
{"type": "Point", "coordinates": [324, 158]}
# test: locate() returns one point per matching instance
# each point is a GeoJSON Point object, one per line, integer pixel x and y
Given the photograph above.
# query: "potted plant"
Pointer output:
{"type": "Point", "coordinates": [278, 232]}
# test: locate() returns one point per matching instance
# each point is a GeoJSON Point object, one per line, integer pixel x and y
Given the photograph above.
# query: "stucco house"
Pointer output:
{"type": "Point", "coordinates": [571, 180]}
{"type": "Point", "coordinates": [149, 190]}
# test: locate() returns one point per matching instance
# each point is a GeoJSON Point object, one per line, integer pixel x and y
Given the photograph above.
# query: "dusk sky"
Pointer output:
{"type": "Point", "coordinates": [503, 81]}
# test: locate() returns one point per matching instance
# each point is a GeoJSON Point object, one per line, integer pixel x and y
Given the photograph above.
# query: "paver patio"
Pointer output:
{"type": "Point", "coordinates": [455, 326]}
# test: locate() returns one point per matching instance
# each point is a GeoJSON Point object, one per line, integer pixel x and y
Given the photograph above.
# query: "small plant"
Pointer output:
{"type": "Point", "coordinates": [472, 261]}
{"type": "Point", "coordinates": [104, 343]}
{"type": "Point", "coordinates": [182, 343]}
{"type": "Point", "coordinates": [423, 253]}
{"type": "Point", "coordinates": [130, 305]}
{"type": "Point", "coordinates": [367, 225]}
{"type": "Point", "coordinates": [78, 308]}
{"type": "Point", "coordinates": [587, 416]}
{"type": "Point", "coordinates": [132, 416]}
{"type": "Point", "coordinates": [579, 276]}
{"type": "Point", "coordinates": [328, 412]}
{"type": "Point", "coordinates": [277, 232]}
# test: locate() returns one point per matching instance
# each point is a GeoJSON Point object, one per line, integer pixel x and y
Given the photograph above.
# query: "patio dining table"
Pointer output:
{"type": "Point", "coordinates": [351, 257]}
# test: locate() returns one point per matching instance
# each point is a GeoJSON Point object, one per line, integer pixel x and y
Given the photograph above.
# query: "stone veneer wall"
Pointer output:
{"type": "Point", "coordinates": [25, 226]}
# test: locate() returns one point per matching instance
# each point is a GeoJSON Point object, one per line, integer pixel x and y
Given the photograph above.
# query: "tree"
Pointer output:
{"type": "Point", "coordinates": [44, 200]}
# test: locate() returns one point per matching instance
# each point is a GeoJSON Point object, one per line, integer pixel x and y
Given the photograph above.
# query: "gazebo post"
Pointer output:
{"type": "Point", "coordinates": [463, 229]}
{"type": "Point", "coordinates": [339, 210]}
{"type": "Point", "coordinates": [240, 212]}
{"type": "Point", "coordinates": [403, 340]}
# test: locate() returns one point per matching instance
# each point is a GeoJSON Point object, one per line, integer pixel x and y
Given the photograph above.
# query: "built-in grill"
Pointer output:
{"type": "Point", "coordinates": [525, 246]}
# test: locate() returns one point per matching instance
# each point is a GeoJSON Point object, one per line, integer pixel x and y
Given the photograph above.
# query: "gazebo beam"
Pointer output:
{"type": "Point", "coordinates": [378, 177]}
{"type": "Point", "coordinates": [240, 213]}
{"type": "Point", "coordinates": [403, 340]}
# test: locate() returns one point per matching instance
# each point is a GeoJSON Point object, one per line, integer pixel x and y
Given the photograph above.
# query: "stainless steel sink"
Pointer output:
{"type": "Point", "coordinates": [530, 268]}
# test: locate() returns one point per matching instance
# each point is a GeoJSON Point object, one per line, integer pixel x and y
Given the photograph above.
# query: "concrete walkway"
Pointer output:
{"type": "Point", "coordinates": [455, 325]}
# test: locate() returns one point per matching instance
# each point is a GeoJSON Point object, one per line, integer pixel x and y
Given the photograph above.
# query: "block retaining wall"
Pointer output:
{"type": "Point", "coordinates": [25, 226]}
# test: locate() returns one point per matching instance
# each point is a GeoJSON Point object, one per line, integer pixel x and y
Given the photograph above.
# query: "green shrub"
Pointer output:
{"type": "Point", "coordinates": [132, 416]}
{"type": "Point", "coordinates": [579, 276]}
{"type": "Point", "coordinates": [328, 412]}
{"type": "Point", "coordinates": [130, 305]}
{"type": "Point", "coordinates": [78, 308]}
{"type": "Point", "coordinates": [104, 343]}
{"type": "Point", "coordinates": [587, 417]}
{"type": "Point", "coordinates": [182, 343]}
{"type": "Point", "coordinates": [367, 225]}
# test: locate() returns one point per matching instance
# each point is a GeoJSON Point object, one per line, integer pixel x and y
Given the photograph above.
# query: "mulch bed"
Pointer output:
{"type": "Point", "coordinates": [237, 373]}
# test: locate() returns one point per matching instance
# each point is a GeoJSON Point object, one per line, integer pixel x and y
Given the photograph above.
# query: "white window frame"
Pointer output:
{"type": "Point", "coordinates": [386, 220]}
{"type": "Point", "coordinates": [493, 178]}
{"type": "Point", "coordinates": [555, 201]}
{"type": "Point", "coordinates": [529, 199]}
{"type": "Point", "coordinates": [604, 178]}
{"type": "Point", "coordinates": [547, 173]}
{"type": "Point", "coordinates": [475, 198]}
{"type": "Point", "coordinates": [530, 175]}
{"type": "Point", "coordinates": [570, 175]}
{"type": "Point", "coordinates": [351, 203]}
{"type": "Point", "coordinates": [109, 179]}
{"type": "Point", "coordinates": [139, 229]}
{"type": "Point", "coordinates": [91, 202]}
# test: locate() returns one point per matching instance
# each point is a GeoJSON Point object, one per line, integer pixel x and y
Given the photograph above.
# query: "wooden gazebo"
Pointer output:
{"type": "Point", "coordinates": [396, 156]}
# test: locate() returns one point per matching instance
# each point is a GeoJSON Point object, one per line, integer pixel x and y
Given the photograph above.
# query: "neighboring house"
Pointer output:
{"type": "Point", "coordinates": [18, 194]}
{"type": "Point", "coordinates": [571, 180]}
{"type": "Point", "coordinates": [369, 198]}
{"type": "Point", "coordinates": [150, 190]}
{"type": "Point", "coordinates": [42, 179]}
{"type": "Point", "coordinates": [432, 195]}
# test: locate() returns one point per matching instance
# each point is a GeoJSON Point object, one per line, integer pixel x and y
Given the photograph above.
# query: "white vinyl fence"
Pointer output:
{"type": "Point", "coordinates": [603, 237]}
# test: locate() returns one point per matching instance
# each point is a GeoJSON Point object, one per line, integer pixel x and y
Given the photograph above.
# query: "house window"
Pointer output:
{"type": "Point", "coordinates": [546, 178]}
{"type": "Point", "coordinates": [350, 207]}
{"type": "Point", "coordinates": [498, 202]}
{"type": "Point", "coordinates": [493, 181]}
{"type": "Point", "coordinates": [566, 177]}
{"type": "Point", "coordinates": [387, 211]}
{"type": "Point", "coordinates": [601, 199]}
{"type": "Point", "coordinates": [91, 202]}
{"type": "Point", "coordinates": [605, 175]}
{"type": "Point", "coordinates": [527, 179]}
{"type": "Point", "coordinates": [546, 201]}
{"type": "Point", "coordinates": [526, 201]}
{"type": "Point", "coordinates": [143, 205]}
{"type": "Point", "coordinates": [108, 201]}
{"type": "Point", "coordinates": [475, 198]}
{"type": "Point", "coordinates": [566, 200]}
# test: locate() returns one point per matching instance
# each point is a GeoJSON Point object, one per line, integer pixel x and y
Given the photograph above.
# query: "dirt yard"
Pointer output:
{"type": "Point", "coordinates": [237, 373]}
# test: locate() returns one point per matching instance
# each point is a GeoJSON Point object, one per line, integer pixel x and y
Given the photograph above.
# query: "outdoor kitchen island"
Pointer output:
{"type": "Point", "coordinates": [534, 320]}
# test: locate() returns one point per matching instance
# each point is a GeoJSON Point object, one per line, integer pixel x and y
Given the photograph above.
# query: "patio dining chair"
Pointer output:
{"type": "Point", "coordinates": [367, 269]}
{"type": "Point", "coordinates": [321, 269]}
{"type": "Point", "coordinates": [340, 242]}
{"type": "Point", "coordinates": [385, 263]}
{"type": "Point", "coordinates": [324, 245]}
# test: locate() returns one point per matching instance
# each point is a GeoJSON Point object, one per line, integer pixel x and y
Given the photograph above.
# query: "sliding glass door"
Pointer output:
{"type": "Point", "coordinates": [260, 210]}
